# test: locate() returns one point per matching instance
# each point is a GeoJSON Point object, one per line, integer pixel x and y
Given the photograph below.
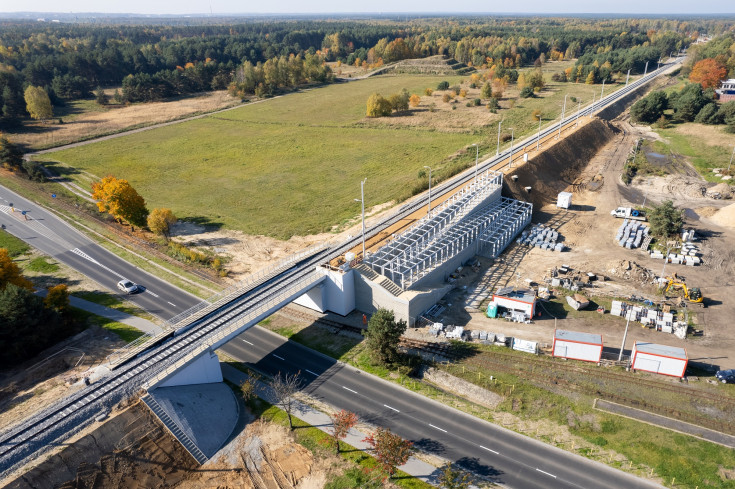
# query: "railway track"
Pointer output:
{"type": "Point", "coordinates": [44, 429]}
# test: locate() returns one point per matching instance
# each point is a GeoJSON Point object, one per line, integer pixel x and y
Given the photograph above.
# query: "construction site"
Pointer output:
{"type": "Point", "coordinates": [500, 262]}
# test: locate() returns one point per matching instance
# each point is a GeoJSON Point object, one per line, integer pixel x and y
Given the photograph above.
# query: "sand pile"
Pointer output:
{"type": "Point", "coordinates": [725, 217]}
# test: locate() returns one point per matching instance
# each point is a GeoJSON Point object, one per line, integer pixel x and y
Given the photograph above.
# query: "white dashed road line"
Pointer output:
{"type": "Point", "coordinates": [394, 409]}
{"type": "Point", "coordinates": [171, 303]}
{"type": "Point", "coordinates": [280, 358]}
{"type": "Point", "coordinates": [544, 472]}
{"type": "Point", "coordinates": [437, 428]}
{"type": "Point", "coordinates": [348, 389]}
{"type": "Point", "coordinates": [153, 294]}
{"type": "Point", "coordinates": [246, 341]}
{"type": "Point", "coordinates": [310, 372]}
{"type": "Point", "coordinates": [486, 448]}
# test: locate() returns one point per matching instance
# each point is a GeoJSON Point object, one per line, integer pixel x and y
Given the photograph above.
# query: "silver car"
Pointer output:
{"type": "Point", "coordinates": [127, 286]}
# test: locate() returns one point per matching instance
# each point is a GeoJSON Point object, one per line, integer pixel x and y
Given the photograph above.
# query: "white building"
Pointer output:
{"type": "Point", "coordinates": [659, 359]}
{"type": "Point", "coordinates": [578, 346]}
{"type": "Point", "coordinates": [516, 300]}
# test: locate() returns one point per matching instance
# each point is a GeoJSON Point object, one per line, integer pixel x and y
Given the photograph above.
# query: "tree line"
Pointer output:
{"type": "Point", "coordinates": [152, 62]}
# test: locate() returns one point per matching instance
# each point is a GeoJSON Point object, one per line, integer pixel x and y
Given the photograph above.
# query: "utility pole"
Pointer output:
{"type": "Point", "coordinates": [477, 155]}
{"type": "Point", "coordinates": [497, 150]}
{"type": "Point", "coordinates": [602, 92]}
{"type": "Point", "coordinates": [627, 77]}
{"type": "Point", "coordinates": [592, 105]}
{"type": "Point", "coordinates": [512, 134]}
{"type": "Point", "coordinates": [646, 70]}
{"type": "Point", "coordinates": [428, 213]}
{"type": "Point", "coordinates": [625, 335]}
{"type": "Point", "coordinates": [563, 108]}
{"type": "Point", "coordinates": [362, 201]}
{"type": "Point", "coordinates": [579, 108]}
{"type": "Point", "coordinates": [733, 154]}
{"type": "Point", "coordinates": [659, 64]}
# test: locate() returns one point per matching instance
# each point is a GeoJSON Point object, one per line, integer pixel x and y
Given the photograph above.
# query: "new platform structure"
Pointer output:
{"type": "Point", "coordinates": [578, 346]}
{"type": "Point", "coordinates": [476, 220]}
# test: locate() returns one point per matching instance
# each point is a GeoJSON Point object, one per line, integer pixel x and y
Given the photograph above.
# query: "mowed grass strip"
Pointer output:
{"type": "Point", "coordinates": [248, 171]}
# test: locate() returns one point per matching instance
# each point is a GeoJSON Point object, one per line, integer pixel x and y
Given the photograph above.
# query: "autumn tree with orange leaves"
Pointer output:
{"type": "Point", "coordinates": [119, 199]}
{"type": "Point", "coordinates": [708, 73]}
{"type": "Point", "coordinates": [10, 273]}
{"type": "Point", "coordinates": [341, 424]}
{"type": "Point", "coordinates": [390, 450]}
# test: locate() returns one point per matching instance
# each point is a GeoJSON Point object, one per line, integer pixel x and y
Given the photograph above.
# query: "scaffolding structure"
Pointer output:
{"type": "Point", "coordinates": [475, 216]}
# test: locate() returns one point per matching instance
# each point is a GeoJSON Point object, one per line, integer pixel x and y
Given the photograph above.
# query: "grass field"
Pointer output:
{"type": "Point", "coordinates": [292, 165]}
{"type": "Point", "coordinates": [15, 246]}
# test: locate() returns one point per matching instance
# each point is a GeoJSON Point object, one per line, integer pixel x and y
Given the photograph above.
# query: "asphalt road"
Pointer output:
{"type": "Point", "coordinates": [509, 458]}
{"type": "Point", "coordinates": [46, 232]}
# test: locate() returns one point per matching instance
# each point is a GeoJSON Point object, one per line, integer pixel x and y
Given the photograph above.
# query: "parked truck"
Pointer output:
{"type": "Point", "coordinates": [629, 213]}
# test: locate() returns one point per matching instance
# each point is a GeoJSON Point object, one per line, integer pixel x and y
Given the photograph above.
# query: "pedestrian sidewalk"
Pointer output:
{"type": "Point", "coordinates": [415, 467]}
{"type": "Point", "coordinates": [115, 315]}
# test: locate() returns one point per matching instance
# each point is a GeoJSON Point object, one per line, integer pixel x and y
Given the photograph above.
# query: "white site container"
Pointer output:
{"type": "Point", "coordinates": [578, 346]}
{"type": "Point", "coordinates": [517, 301]}
{"type": "Point", "coordinates": [659, 359]}
{"type": "Point", "coordinates": [564, 200]}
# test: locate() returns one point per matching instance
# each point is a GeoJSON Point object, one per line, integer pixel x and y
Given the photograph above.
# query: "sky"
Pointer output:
{"type": "Point", "coordinates": [702, 7]}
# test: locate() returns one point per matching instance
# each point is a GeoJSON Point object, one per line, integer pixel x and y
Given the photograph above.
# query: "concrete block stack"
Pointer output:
{"type": "Point", "coordinates": [631, 234]}
{"type": "Point", "coordinates": [542, 237]}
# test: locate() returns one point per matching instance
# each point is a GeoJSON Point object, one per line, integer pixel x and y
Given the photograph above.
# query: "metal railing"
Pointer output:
{"type": "Point", "coordinates": [252, 316]}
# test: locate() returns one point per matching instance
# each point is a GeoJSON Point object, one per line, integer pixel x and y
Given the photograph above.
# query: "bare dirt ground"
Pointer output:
{"type": "Point", "coordinates": [116, 119]}
{"type": "Point", "coordinates": [589, 231]}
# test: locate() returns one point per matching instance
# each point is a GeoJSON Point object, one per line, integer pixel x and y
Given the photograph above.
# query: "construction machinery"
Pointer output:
{"type": "Point", "coordinates": [691, 294]}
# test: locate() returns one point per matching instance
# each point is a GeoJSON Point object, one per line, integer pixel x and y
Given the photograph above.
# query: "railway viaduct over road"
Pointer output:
{"type": "Point", "coordinates": [215, 322]}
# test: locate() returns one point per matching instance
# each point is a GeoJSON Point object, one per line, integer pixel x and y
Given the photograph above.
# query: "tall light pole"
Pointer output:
{"type": "Point", "coordinates": [361, 200]}
{"type": "Point", "coordinates": [512, 135]}
{"type": "Point", "coordinates": [497, 150]}
{"type": "Point", "coordinates": [538, 136]}
{"type": "Point", "coordinates": [579, 108]}
{"type": "Point", "coordinates": [627, 77]}
{"type": "Point", "coordinates": [602, 92]}
{"type": "Point", "coordinates": [428, 213]}
{"type": "Point", "coordinates": [659, 64]}
{"type": "Point", "coordinates": [646, 70]}
{"type": "Point", "coordinates": [592, 105]}
{"type": "Point", "coordinates": [625, 335]}
{"type": "Point", "coordinates": [563, 108]}
{"type": "Point", "coordinates": [477, 156]}
{"type": "Point", "coordinates": [733, 154]}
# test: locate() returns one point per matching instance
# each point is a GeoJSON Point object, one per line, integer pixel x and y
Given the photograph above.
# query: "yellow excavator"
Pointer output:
{"type": "Point", "coordinates": [692, 294]}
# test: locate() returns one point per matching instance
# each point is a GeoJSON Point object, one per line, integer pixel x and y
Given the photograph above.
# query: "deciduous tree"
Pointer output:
{"type": "Point", "coordinates": [57, 298]}
{"type": "Point", "coordinates": [378, 106]}
{"type": "Point", "coordinates": [38, 103]}
{"type": "Point", "coordinates": [160, 222]}
{"type": "Point", "coordinates": [284, 387]}
{"type": "Point", "coordinates": [10, 273]}
{"type": "Point", "coordinates": [119, 199]}
{"type": "Point", "coordinates": [452, 478]}
{"type": "Point", "coordinates": [342, 422]}
{"type": "Point", "coordinates": [383, 334]}
{"type": "Point", "coordinates": [390, 450]}
{"type": "Point", "coordinates": [708, 73]}
{"type": "Point", "coordinates": [11, 157]}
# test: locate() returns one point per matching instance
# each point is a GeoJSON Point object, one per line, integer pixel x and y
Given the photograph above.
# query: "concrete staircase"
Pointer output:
{"type": "Point", "coordinates": [391, 287]}
{"type": "Point", "coordinates": [175, 430]}
{"type": "Point", "coordinates": [366, 271]}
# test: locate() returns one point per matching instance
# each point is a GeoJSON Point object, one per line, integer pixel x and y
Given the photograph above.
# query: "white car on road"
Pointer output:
{"type": "Point", "coordinates": [127, 286]}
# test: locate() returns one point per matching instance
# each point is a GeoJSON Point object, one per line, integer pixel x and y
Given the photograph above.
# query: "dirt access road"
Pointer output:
{"type": "Point", "coordinates": [589, 230]}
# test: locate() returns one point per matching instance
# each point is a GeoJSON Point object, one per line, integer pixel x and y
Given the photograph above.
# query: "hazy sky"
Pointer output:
{"type": "Point", "coordinates": [374, 6]}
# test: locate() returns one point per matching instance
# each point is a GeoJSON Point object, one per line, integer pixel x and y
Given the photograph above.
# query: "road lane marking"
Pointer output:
{"type": "Point", "coordinates": [246, 341]}
{"type": "Point", "coordinates": [171, 303]}
{"type": "Point", "coordinates": [348, 389]}
{"type": "Point", "coordinates": [437, 428]}
{"type": "Point", "coordinates": [544, 472]}
{"type": "Point", "coordinates": [154, 295]}
{"type": "Point", "coordinates": [394, 409]}
{"type": "Point", "coordinates": [280, 358]}
{"type": "Point", "coordinates": [312, 373]}
{"type": "Point", "coordinates": [486, 448]}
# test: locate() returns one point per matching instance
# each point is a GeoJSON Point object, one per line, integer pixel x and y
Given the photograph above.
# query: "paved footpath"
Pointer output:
{"type": "Point", "coordinates": [113, 314]}
{"type": "Point", "coordinates": [321, 420]}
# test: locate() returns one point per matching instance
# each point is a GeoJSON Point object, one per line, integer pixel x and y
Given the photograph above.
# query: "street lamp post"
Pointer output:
{"type": "Point", "coordinates": [362, 201]}
{"type": "Point", "coordinates": [538, 136]}
{"type": "Point", "coordinates": [563, 108]}
{"type": "Point", "coordinates": [428, 213]}
{"type": "Point", "coordinates": [512, 135]}
{"type": "Point", "coordinates": [497, 150]}
{"type": "Point", "coordinates": [627, 77]}
{"type": "Point", "coordinates": [625, 335]}
{"type": "Point", "coordinates": [477, 156]}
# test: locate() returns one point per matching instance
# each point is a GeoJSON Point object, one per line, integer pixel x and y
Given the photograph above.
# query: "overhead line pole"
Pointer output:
{"type": "Point", "coordinates": [497, 149]}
